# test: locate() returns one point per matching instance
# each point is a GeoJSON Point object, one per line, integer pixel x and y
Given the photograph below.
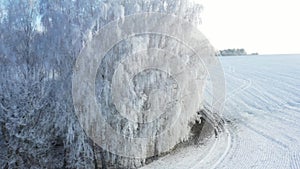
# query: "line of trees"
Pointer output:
{"type": "Point", "coordinates": [233, 52]}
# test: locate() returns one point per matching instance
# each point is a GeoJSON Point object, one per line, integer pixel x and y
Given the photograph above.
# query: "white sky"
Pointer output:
{"type": "Point", "coordinates": [263, 26]}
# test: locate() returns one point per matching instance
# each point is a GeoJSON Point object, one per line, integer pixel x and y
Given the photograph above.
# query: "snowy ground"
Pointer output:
{"type": "Point", "coordinates": [262, 111]}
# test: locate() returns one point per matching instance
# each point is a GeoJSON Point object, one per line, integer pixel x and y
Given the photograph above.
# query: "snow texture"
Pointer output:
{"type": "Point", "coordinates": [263, 107]}
{"type": "Point", "coordinates": [262, 112]}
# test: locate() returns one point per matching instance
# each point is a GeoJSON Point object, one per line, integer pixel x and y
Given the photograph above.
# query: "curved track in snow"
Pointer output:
{"type": "Point", "coordinates": [262, 113]}
{"type": "Point", "coordinates": [265, 115]}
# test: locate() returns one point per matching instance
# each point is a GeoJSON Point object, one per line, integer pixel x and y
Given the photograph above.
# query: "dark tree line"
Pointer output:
{"type": "Point", "coordinates": [233, 52]}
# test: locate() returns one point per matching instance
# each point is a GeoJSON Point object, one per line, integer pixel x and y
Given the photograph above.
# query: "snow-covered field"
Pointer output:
{"type": "Point", "coordinates": [262, 113]}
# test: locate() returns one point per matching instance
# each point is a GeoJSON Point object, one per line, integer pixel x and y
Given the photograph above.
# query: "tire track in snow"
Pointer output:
{"type": "Point", "coordinates": [265, 137]}
{"type": "Point", "coordinates": [196, 158]}
{"type": "Point", "coordinates": [247, 83]}
{"type": "Point", "coordinates": [271, 125]}
{"type": "Point", "coordinates": [295, 160]}
{"type": "Point", "coordinates": [245, 92]}
{"type": "Point", "coordinates": [272, 139]}
{"type": "Point", "coordinates": [218, 152]}
{"type": "Point", "coordinates": [259, 128]}
{"type": "Point", "coordinates": [274, 115]}
{"type": "Point", "coordinates": [232, 149]}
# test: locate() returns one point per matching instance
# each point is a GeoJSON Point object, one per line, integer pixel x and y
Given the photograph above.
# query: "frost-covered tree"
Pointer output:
{"type": "Point", "coordinates": [40, 40]}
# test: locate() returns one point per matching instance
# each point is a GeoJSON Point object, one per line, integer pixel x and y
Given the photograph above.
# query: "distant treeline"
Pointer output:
{"type": "Point", "coordinates": [233, 52]}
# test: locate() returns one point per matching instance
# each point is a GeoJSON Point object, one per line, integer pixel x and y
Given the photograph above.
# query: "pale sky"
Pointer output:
{"type": "Point", "coordinates": [263, 26]}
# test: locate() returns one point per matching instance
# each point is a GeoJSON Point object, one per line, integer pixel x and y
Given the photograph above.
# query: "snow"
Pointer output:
{"type": "Point", "coordinates": [262, 113]}
{"type": "Point", "coordinates": [38, 25]}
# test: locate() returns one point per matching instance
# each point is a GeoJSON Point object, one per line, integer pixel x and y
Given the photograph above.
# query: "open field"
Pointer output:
{"type": "Point", "coordinates": [262, 114]}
